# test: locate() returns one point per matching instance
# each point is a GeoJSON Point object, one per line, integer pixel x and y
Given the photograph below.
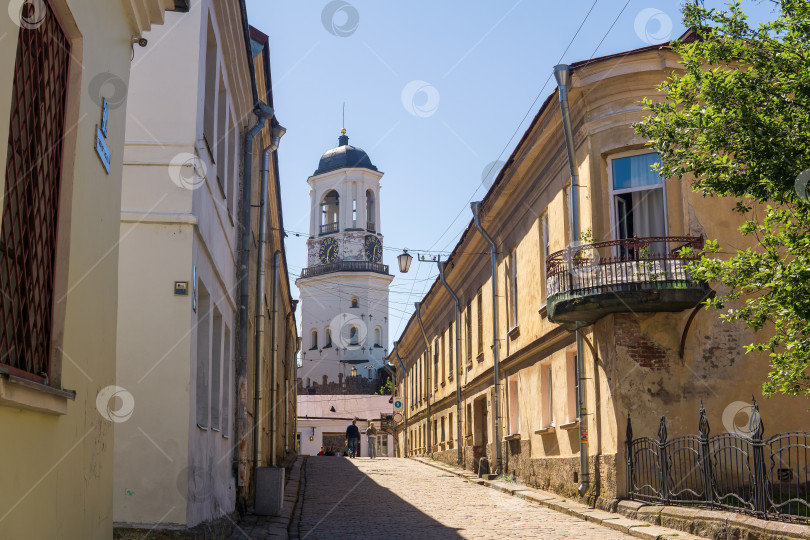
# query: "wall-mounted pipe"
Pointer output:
{"type": "Point", "coordinates": [563, 75]}
{"type": "Point", "coordinates": [459, 456]}
{"type": "Point", "coordinates": [496, 392]}
{"type": "Point", "coordinates": [404, 397]}
{"type": "Point", "coordinates": [427, 370]}
{"type": "Point", "coordinates": [263, 112]}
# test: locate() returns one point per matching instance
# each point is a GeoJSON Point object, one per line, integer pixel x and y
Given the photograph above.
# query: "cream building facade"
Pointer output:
{"type": "Point", "coordinates": [648, 350]}
{"type": "Point", "coordinates": [201, 341]}
{"type": "Point", "coordinates": [59, 265]}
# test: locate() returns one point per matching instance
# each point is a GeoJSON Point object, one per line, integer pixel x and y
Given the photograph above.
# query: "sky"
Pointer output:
{"type": "Point", "coordinates": [438, 93]}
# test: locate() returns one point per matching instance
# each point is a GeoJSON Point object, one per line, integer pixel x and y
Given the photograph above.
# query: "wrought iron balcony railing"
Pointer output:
{"type": "Point", "coordinates": [604, 271]}
{"type": "Point", "coordinates": [345, 266]}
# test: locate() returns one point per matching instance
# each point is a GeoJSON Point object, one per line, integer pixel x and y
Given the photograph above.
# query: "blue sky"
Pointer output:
{"type": "Point", "coordinates": [435, 92]}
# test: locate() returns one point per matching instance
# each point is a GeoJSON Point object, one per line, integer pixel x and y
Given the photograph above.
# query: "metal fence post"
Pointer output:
{"type": "Point", "coordinates": [629, 442]}
{"type": "Point", "coordinates": [705, 459]}
{"type": "Point", "coordinates": [757, 428]}
{"type": "Point", "coordinates": [663, 464]}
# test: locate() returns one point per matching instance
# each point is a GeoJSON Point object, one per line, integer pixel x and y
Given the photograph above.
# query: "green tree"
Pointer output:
{"type": "Point", "coordinates": [386, 389]}
{"type": "Point", "coordinates": [738, 119]}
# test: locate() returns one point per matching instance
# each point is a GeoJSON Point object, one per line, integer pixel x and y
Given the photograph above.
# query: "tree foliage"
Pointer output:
{"type": "Point", "coordinates": [738, 119]}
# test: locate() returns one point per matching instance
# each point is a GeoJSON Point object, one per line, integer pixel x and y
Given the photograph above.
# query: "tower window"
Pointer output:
{"type": "Point", "coordinates": [353, 338]}
{"type": "Point", "coordinates": [355, 302]}
{"type": "Point", "coordinates": [328, 338]}
{"type": "Point", "coordinates": [329, 212]}
{"type": "Point", "coordinates": [377, 337]}
{"type": "Point", "coordinates": [314, 340]}
{"type": "Point", "coordinates": [371, 212]}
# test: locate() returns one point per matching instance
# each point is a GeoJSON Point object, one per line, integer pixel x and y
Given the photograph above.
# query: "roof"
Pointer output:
{"type": "Point", "coordinates": [345, 156]}
{"type": "Point", "coordinates": [346, 406]}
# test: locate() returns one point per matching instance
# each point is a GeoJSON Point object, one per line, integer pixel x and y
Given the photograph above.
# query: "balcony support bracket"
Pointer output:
{"type": "Point", "coordinates": [688, 324]}
{"type": "Point", "coordinates": [589, 344]}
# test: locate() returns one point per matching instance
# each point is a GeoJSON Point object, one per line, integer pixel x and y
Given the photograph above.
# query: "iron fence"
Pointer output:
{"type": "Point", "coordinates": [739, 472]}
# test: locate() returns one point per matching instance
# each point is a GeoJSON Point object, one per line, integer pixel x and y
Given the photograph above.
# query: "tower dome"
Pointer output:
{"type": "Point", "coordinates": [345, 156]}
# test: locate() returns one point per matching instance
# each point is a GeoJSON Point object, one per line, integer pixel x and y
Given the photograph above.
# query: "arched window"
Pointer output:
{"type": "Point", "coordinates": [329, 212]}
{"type": "Point", "coordinates": [377, 337]}
{"type": "Point", "coordinates": [355, 302]}
{"type": "Point", "coordinates": [328, 338]}
{"type": "Point", "coordinates": [371, 212]}
{"type": "Point", "coordinates": [314, 340]}
{"type": "Point", "coordinates": [353, 337]}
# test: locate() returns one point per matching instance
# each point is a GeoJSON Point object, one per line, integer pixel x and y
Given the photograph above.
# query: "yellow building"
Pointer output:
{"type": "Point", "coordinates": [63, 100]}
{"type": "Point", "coordinates": [602, 258]}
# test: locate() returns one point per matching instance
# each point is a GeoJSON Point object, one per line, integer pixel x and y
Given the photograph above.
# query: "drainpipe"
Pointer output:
{"type": "Point", "coordinates": [496, 393]}
{"type": "Point", "coordinates": [459, 458]}
{"type": "Point", "coordinates": [404, 396]}
{"type": "Point", "coordinates": [263, 112]}
{"type": "Point", "coordinates": [277, 133]}
{"type": "Point", "coordinates": [563, 76]}
{"type": "Point", "coordinates": [428, 368]}
{"type": "Point", "coordinates": [274, 361]}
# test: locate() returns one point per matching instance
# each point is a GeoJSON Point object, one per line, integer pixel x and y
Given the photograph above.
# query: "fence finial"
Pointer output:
{"type": "Point", "coordinates": [755, 425]}
{"type": "Point", "coordinates": [662, 430]}
{"type": "Point", "coordinates": [703, 423]}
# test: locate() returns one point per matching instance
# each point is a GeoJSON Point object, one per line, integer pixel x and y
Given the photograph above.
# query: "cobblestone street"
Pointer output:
{"type": "Point", "coordinates": [399, 498]}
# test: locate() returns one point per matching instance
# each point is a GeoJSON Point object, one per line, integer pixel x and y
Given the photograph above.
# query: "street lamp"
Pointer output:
{"type": "Point", "coordinates": [404, 259]}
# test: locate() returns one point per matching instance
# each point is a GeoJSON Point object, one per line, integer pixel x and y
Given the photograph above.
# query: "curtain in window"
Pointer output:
{"type": "Point", "coordinates": [635, 171]}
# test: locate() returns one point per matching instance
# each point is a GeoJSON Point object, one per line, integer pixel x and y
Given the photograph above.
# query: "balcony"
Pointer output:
{"type": "Point", "coordinates": [587, 282]}
{"type": "Point", "coordinates": [345, 266]}
{"type": "Point", "coordinates": [330, 228]}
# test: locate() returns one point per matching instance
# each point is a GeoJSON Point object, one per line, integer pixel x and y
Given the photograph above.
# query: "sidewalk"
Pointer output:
{"type": "Point", "coordinates": [255, 527]}
{"type": "Point", "coordinates": [639, 529]}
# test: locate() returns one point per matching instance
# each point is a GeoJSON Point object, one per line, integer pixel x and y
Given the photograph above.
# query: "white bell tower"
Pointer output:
{"type": "Point", "coordinates": [344, 287]}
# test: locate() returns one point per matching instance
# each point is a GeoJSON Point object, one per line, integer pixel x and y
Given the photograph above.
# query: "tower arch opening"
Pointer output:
{"type": "Point", "coordinates": [330, 204]}
{"type": "Point", "coordinates": [371, 212]}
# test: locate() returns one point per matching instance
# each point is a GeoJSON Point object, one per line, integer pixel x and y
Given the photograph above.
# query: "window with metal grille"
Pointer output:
{"type": "Point", "coordinates": [28, 232]}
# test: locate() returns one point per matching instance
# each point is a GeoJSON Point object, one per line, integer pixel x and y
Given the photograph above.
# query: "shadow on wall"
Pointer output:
{"type": "Point", "coordinates": [356, 504]}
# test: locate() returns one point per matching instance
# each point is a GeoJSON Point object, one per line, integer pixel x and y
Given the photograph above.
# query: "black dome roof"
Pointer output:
{"type": "Point", "coordinates": [344, 156]}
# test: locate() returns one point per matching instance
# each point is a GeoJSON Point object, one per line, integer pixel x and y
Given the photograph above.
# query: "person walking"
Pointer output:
{"type": "Point", "coordinates": [371, 434]}
{"type": "Point", "coordinates": [352, 438]}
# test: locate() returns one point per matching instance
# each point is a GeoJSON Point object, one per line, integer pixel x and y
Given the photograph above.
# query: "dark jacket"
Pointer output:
{"type": "Point", "coordinates": [352, 432]}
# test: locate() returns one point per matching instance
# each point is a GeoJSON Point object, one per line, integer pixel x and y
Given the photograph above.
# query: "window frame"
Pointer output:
{"type": "Point", "coordinates": [613, 192]}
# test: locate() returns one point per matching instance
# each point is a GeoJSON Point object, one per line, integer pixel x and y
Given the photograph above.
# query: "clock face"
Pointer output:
{"type": "Point", "coordinates": [373, 248]}
{"type": "Point", "coordinates": [329, 250]}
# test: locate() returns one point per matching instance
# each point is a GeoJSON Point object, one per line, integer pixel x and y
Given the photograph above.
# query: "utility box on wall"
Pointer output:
{"type": "Point", "coordinates": [269, 491]}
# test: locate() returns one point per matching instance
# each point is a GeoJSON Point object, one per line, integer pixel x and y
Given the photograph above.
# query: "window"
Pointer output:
{"type": "Point", "coordinates": [514, 411]}
{"type": "Point", "coordinates": [226, 383]}
{"type": "Point", "coordinates": [220, 145]}
{"type": "Point", "coordinates": [469, 423]}
{"type": "Point", "coordinates": [353, 337]}
{"type": "Point", "coordinates": [354, 213]}
{"type": "Point", "coordinates": [444, 360]}
{"type": "Point", "coordinates": [371, 212]}
{"type": "Point", "coordinates": [545, 248]}
{"type": "Point", "coordinates": [314, 343]}
{"type": "Point", "coordinates": [546, 395]}
{"type": "Point", "coordinates": [203, 375]}
{"type": "Point", "coordinates": [639, 200]}
{"type": "Point", "coordinates": [567, 213]}
{"type": "Point", "coordinates": [355, 302]}
{"type": "Point", "coordinates": [511, 291]}
{"type": "Point", "coordinates": [378, 337]}
{"type": "Point", "coordinates": [329, 212]}
{"type": "Point", "coordinates": [443, 430]}
{"type": "Point", "coordinates": [435, 363]}
{"type": "Point", "coordinates": [209, 111]}
{"type": "Point", "coordinates": [216, 369]}
{"type": "Point", "coordinates": [480, 321]}
{"type": "Point", "coordinates": [328, 343]}
{"type": "Point", "coordinates": [468, 332]}
{"type": "Point", "coordinates": [30, 205]}
{"type": "Point", "coordinates": [233, 164]}
{"type": "Point", "coordinates": [450, 349]}
{"type": "Point", "coordinates": [450, 429]}
{"type": "Point", "coordinates": [573, 382]}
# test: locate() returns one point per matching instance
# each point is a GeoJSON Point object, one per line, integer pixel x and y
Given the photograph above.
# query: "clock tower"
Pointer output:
{"type": "Point", "coordinates": [344, 287]}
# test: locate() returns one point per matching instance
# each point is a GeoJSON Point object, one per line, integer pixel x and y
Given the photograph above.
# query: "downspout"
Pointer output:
{"type": "Point", "coordinates": [262, 112]}
{"type": "Point", "coordinates": [496, 368]}
{"type": "Point", "coordinates": [459, 457]}
{"type": "Point", "coordinates": [404, 396]}
{"type": "Point", "coordinates": [428, 368]}
{"type": "Point", "coordinates": [563, 76]}
{"type": "Point", "coordinates": [277, 133]}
